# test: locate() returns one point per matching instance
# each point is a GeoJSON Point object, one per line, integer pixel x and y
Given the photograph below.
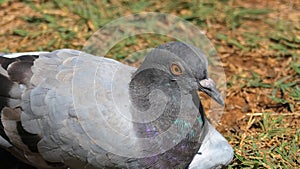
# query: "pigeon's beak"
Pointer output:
{"type": "Point", "coordinates": [208, 86]}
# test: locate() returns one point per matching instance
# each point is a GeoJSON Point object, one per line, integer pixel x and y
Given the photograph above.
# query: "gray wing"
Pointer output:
{"type": "Point", "coordinates": [56, 108]}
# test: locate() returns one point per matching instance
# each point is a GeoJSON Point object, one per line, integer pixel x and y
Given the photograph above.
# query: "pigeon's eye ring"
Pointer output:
{"type": "Point", "coordinates": [176, 69]}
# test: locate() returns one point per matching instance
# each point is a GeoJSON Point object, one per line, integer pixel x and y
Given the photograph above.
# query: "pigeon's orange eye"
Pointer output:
{"type": "Point", "coordinates": [176, 69]}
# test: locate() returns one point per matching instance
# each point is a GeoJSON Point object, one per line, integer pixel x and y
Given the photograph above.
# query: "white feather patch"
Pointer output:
{"type": "Point", "coordinates": [4, 143]}
{"type": "Point", "coordinates": [3, 71]}
{"type": "Point", "coordinates": [15, 55]}
{"type": "Point", "coordinates": [215, 151]}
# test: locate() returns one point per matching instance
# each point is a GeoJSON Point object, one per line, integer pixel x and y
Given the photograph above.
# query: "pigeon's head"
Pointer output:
{"type": "Point", "coordinates": [184, 64]}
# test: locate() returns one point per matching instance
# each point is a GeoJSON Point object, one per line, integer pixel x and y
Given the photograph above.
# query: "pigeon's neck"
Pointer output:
{"type": "Point", "coordinates": [155, 101]}
{"type": "Point", "coordinates": [167, 117]}
{"type": "Point", "coordinates": [148, 82]}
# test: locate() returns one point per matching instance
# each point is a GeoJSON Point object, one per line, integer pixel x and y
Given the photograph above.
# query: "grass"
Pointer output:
{"type": "Point", "coordinates": [259, 45]}
{"type": "Point", "coordinates": [267, 144]}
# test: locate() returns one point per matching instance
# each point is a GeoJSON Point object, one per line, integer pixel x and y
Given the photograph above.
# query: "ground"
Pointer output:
{"type": "Point", "coordinates": [258, 42]}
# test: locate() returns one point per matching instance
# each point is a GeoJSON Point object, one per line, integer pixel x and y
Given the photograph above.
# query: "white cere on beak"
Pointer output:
{"type": "Point", "coordinates": [207, 83]}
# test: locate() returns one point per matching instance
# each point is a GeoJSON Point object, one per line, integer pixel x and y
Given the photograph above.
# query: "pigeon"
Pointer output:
{"type": "Point", "coordinates": [70, 109]}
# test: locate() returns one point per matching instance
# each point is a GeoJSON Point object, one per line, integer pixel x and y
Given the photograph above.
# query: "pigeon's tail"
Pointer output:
{"type": "Point", "coordinates": [15, 74]}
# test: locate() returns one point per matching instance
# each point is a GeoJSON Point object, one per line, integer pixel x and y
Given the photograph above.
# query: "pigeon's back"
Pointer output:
{"type": "Point", "coordinates": [49, 107]}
